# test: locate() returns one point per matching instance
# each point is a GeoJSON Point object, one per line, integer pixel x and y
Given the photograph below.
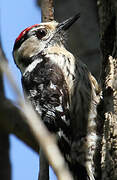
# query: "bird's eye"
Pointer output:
{"type": "Point", "coordinates": [41, 33]}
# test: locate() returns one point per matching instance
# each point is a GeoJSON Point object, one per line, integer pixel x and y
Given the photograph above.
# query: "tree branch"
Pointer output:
{"type": "Point", "coordinates": [106, 161]}
{"type": "Point", "coordinates": [108, 40]}
{"type": "Point", "coordinates": [109, 141]}
{"type": "Point", "coordinates": [5, 166]}
{"type": "Point", "coordinates": [44, 166]}
{"type": "Point", "coordinates": [2, 58]}
{"type": "Point", "coordinates": [47, 9]}
{"type": "Point", "coordinates": [13, 122]}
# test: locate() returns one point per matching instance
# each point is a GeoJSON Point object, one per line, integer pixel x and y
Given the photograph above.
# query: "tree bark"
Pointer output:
{"type": "Point", "coordinates": [108, 31]}
{"type": "Point", "coordinates": [47, 10]}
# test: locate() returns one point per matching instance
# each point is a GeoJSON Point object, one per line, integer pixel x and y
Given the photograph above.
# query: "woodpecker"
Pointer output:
{"type": "Point", "coordinates": [61, 90]}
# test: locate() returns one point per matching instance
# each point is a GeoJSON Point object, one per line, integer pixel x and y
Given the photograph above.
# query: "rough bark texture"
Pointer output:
{"type": "Point", "coordinates": [109, 141]}
{"type": "Point", "coordinates": [107, 14]}
{"type": "Point", "coordinates": [47, 10]}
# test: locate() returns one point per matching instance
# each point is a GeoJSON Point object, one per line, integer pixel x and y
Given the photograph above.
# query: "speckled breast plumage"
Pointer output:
{"type": "Point", "coordinates": [46, 88]}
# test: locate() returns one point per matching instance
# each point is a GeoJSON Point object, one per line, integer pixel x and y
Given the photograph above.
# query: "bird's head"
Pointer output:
{"type": "Point", "coordinates": [35, 39]}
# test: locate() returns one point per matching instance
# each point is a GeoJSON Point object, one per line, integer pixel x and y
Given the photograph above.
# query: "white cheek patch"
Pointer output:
{"type": "Point", "coordinates": [32, 66]}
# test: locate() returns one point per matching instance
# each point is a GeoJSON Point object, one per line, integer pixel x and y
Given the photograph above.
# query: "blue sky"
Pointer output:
{"type": "Point", "coordinates": [16, 16]}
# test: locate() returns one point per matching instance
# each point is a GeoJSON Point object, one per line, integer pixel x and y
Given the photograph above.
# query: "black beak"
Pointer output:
{"type": "Point", "coordinates": [68, 23]}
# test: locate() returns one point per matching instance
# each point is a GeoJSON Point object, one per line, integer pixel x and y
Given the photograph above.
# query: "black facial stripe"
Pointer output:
{"type": "Point", "coordinates": [28, 60]}
{"type": "Point", "coordinates": [25, 61]}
